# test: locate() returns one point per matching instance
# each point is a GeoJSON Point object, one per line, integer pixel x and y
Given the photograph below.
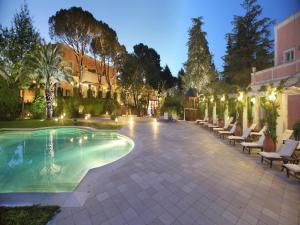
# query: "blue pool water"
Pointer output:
{"type": "Point", "coordinates": [55, 160]}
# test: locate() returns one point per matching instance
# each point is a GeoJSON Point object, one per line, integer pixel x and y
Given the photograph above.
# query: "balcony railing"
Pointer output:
{"type": "Point", "coordinates": [276, 73]}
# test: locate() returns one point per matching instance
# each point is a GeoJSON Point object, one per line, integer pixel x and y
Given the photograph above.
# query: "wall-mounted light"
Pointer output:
{"type": "Point", "coordinates": [253, 100]}
{"type": "Point", "coordinates": [272, 95]}
{"type": "Point", "coordinates": [241, 96]}
{"type": "Point", "coordinates": [223, 98]}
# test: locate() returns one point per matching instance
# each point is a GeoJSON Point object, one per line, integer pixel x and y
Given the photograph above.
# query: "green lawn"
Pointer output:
{"type": "Point", "coordinates": [50, 123]}
{"type": "Point", "coordinates": [27, 215]}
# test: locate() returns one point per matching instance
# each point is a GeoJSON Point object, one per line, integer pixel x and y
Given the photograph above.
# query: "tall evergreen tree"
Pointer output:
{"type": "Point", "coordinates": [248, 46]}
{"type": "Point", "coordinates": [15, 43]}
{"type": "Point", "coordinates": [199, 67]}
{"type": "Point", "coordinates": [167, 78]}
{"type": "Point", "coordinates": [180, 76]}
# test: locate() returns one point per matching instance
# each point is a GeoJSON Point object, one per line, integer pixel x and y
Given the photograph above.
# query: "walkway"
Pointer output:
{"type": "Point", "coordinates": [180, 174]}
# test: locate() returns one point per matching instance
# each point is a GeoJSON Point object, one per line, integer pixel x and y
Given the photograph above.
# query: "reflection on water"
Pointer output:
{"type": "Point", "coordinates": [54, 159]}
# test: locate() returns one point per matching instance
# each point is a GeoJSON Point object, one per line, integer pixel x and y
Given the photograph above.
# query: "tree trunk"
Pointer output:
{"type": "Point", "coordinates": [49, 104]}
{"type": "Point", "coordinates": [22, 111]}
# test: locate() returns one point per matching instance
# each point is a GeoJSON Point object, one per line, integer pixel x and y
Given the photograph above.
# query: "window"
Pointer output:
{"type": "Point", "coordinates": [289, 55]}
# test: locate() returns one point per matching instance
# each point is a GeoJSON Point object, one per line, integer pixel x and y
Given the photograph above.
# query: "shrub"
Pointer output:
{"type": "Point", "coordinates": [38, 107]}
{"type": "Point", "coordinates": [296, 128]}
{"type": "Point", "coordinates": [173, 104]}
{"type": "Point", "coordinates": [94, 106]}
{"type": "Point", "coordinates": [10, 107]}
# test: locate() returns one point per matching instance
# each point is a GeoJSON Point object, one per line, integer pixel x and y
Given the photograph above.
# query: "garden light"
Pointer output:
{"type": "Point", "coordinates": [212, 99]}
{"type": "Point", "coordinates": [223, 98]}
{"type": "Point", "coordinates": [272, 96]}
{"type": "Point", "coordinates": [253, 100]}
{"type": "Point", "coordinates": [56, 119]}
{"type": "Point", "coordinates": [80, 141]}
{"type": "Point", "coordinates": [61, 117]}
{"type": "Point", "coordinates": [116, 120]}
{"type": "Point", "coordinates": [71, 139]}
{"type": "Point", "coordinates": [241, 96]}
{"type": "Point", "coordinates": [85, 137]}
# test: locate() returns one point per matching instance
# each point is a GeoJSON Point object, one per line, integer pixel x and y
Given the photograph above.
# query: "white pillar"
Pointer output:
{"type": "Point", "coordinates": [215, 113]}
{"type": "Point", "coordinates": [282, 119]}
{"type": "Point", "coordinates": [225, 119]}
{"type": "Point", "coordinates": [245, 115]}
{"type": "Point", "coordinates": [255, 110]}
{"type": "Point", "coordinates": [206, 111]}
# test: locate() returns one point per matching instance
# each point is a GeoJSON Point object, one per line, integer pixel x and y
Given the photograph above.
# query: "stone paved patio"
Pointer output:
{"type": "Point", "coordinates": [180, 174]}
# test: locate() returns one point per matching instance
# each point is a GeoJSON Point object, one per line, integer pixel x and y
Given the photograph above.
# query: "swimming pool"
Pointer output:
{"type": "Point", "coordinates": [55, 160]}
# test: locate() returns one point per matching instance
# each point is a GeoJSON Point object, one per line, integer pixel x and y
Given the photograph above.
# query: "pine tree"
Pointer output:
{"type": "Point", "coordinates": [199, 67]}
{"type": "Point", "coordinates": [180, 76]}
{"type": "Point", "coordinates": [21, 38]}
{"type": "Point", "coordinates": [248, 46]}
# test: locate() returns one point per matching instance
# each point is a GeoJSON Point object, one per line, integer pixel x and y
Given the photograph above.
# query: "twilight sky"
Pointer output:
{"type": "Point", "coordinates": [160, 24]}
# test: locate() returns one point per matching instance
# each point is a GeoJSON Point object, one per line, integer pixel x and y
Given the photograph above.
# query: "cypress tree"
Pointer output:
{"type": "Point", "coordinates": [199, 67]}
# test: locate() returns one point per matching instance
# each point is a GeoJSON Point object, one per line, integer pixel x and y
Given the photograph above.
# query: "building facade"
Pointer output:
{"type": "Point", "coordinates": [286, 71]}
{"type": "Point", "coordinates": [92, 83]}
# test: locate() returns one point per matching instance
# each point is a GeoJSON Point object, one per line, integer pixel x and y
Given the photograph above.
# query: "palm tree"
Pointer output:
{"type": "Point", "coordinates": [50, 69]}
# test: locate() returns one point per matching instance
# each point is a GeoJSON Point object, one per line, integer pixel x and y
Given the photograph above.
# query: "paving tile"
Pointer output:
{"type": "Point", "coordinates": [181, 174]}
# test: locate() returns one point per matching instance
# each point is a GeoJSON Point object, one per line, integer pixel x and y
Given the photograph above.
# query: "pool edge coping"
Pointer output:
{"type": "Point", "coordinates": [62, 198]}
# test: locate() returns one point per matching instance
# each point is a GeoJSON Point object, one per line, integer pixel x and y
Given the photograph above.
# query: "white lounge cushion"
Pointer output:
{"type": "Point", "coordinates": [231, 137]}
{"type": "Point", "coordinates": [273, 155]}
{"type": "Point", "coordinates": [218, 129]}
{"type": "Point", "coordinates": [225, 132]}
{"type": "Point", "coordinates": [246, 133]}
{"type": "Point", "coordinates": [293, 167]}
{"type": "Point", "coordinates": [258, 143]}
{"type": "Point", "coordinates": [287, 134]}
{"type": "Point", "coordinates": [252, 127]}
{"type": "Point", "coordinates": [251, 144]}
{"type": "Point", "coordinates": [286, 150]}
{"type": "Point", "coordinates": [261, 132]}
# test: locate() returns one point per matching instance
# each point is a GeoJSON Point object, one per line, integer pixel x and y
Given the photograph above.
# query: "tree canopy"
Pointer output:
{"type": "Point", "coordinates": [16, 43]}
{"type": "Point", "coordinates": [199, 67]}
{"type": "Point", "coordinates": [74, 27]}
{"type": "Point", "coordinates": [248, 45]}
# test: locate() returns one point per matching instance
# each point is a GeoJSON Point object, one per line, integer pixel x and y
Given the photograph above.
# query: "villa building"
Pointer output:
{"type": "Point", "coordinates": [91, 78]}
{"type": "Point", "coordinates": [286, 70]}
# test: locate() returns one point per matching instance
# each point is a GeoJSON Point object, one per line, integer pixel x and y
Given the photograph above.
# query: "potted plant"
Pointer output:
{"type": "Point", "coordinates": [269, 144]}
{"type": "Point", "coordinates": [221, 123]}
{"type": "Point", "coordinates": [296, 128]}
{"type": "Point", "coordinates": [238, 129]}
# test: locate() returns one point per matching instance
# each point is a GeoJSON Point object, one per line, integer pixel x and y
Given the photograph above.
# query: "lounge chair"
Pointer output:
{"type": "Point", "coordinates": [224, 133]}
{"type": "Point", "coordinates": [257, 144]}
{"type": "Point", "coordinates": [294, 168]}
{"type": "Point", "coordinates": [285, 154]}
{"type": "Point", "coordinates": [259, 133]}
{"type": "Point", "coordinates": [202, 121]}
{"type": "Point", "coordinates": [244, 137]}
{"type": "Point", "coordinates": [252, 127]}
{"type": "Point", "coordinates": [226, 127]}
{"type": "Point", "coordinates": [212, 126]}
{"type": "Point", "coordinates": [287, 134]}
